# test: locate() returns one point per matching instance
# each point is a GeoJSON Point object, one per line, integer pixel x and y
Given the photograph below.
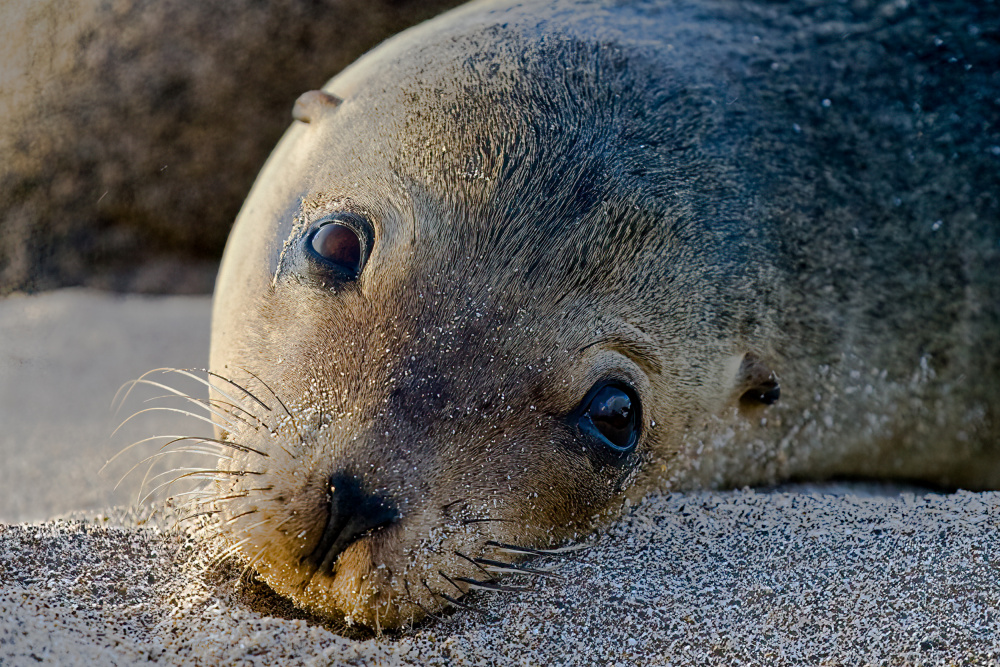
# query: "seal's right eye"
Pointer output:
{"type": "Point", "coordinates": [339, 244]}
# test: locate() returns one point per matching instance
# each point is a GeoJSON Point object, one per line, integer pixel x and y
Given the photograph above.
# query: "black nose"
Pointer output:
{"type": "Point", "coordinates": [353, 514]}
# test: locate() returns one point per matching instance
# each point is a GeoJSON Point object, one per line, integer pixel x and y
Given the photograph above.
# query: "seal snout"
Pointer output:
{"type": "Point", "coordinates": [353, 513]}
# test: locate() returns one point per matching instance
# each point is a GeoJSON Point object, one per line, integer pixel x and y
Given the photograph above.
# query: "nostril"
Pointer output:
{"type": "Point", "coordinates": [353, 513]}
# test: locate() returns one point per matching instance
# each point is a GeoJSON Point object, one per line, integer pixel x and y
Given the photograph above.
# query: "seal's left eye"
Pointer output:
{"type": "Point", "coordinates": [338, 244]}
{"type": "Point", "coordinates": [613, 414]}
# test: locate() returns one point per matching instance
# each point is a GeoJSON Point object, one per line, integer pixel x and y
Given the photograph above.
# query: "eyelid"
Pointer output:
{"type": "Point", "coordinates": [358, 222]}
{"type": "Point", "coordinates": [643, 354]}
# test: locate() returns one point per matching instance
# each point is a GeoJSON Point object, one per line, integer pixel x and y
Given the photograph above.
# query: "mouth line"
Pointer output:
{"type": "Point", "coordinates": [352, 514]}
{"type": "Point", "coordinates": [338, 536]}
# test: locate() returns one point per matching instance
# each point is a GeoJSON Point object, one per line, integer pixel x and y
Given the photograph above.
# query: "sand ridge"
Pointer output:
{"type": "Point", "coordinates": [819, 576]}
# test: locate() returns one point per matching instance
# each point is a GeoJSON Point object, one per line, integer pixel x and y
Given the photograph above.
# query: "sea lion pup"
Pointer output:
{"type": "Point", "coordinates": [530, 258]}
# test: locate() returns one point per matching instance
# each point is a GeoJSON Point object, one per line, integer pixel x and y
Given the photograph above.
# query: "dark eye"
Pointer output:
{"type": "Point", "coordinates": [342, 243]}
{"type": "Point", "coordinates": [338, 244]}
{"type": "Point", "coordinates": [613, 413]}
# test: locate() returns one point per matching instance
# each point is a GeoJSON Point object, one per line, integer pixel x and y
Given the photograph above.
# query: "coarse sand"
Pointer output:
{"type": "Point", "coordinates": [742, 577]}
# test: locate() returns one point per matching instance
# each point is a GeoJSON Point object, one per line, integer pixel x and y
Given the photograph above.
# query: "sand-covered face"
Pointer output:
{"type": "Point", "coordinates": [462, 323]}
{"type": "Point", "coordinates": [425, 418]}
{"type": "Point", "coordinates": [420, 426]}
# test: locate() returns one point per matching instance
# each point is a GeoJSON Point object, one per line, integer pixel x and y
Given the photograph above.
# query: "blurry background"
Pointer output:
{"type": "Point", "coordinates": [130, 132]}
{"type": "Point", "coordinates": [132, 129]}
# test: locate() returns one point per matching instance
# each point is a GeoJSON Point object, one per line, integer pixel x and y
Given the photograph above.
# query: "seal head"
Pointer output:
{"type": "Point", "coordinates": [473, 296]}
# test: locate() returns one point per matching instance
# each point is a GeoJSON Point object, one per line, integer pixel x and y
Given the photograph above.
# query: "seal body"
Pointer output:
{"type": "Point", "coordinates": [528, 259]}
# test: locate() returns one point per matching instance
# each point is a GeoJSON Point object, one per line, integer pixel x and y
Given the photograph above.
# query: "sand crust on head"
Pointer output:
{"type": "Point", "coordinates": [821, 575]}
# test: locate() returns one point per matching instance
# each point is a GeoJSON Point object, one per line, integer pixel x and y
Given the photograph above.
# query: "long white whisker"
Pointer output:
{"type": "Point", "coordinates": [131, 385]}
{"type": "Point", "coordinates": [227, 552]}
{"type": "Point", "coordinates": [194, 473]}
{"type": "Point", "coordinates": [224, 416]}
{"type": "Point", "coordinates": [164, 409]}
{"type": "Point", "coordinates": [231, 383]}
{"type": "Point", "coordinates": [139, 442]}
{"type": "Point", "coordinates": [208, 404]}
{"type": "Point", "coordinates": [179, 450]}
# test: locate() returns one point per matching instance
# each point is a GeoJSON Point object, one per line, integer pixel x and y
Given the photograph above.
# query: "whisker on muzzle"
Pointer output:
{"type": "Point", "coordinates": [277, 398]}
{"type": "Point", "coordinates": [193, 473]}
{"type": "Point", "coordinates": [561, 552]}
{"type": "Point", "coordinates": [409, 598]}
{"type": "Point", "coordinates": [466, 607]}
{"type": "Point", "coordinates": [493, 586]}
{"type": "Point", "coordinates": [187, 413]}
{"type": "Point", "coordinates": [189, 372]}
{"type": "Point", "coordinates": [512, 568]}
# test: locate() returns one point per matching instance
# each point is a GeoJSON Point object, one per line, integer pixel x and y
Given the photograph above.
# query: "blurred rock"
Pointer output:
{"type": "Point", "coordinates": [133, 129]}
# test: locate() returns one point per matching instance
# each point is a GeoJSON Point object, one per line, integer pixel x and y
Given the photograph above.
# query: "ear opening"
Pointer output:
{"type": "Point", "coordinates": [757, 383]}
{"type": "Point", "coordinates": [312, 104]}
